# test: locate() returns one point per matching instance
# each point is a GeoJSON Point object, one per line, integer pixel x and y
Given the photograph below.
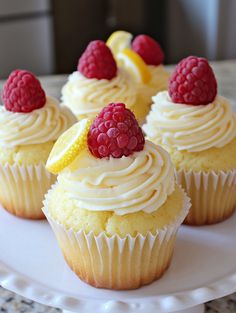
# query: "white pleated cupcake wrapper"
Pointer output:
{"type": "Point", "coordinates": [213, 195]}
{"type": "Point", "coordinates": [22, 189]}
{"type": "Point", "coordinates": [115, 262]}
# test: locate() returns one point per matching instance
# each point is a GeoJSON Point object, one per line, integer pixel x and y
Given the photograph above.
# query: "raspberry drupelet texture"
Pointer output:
{"type": "Point", "coordinates": [97, 61]}
{"type": "Point", "coordinates": [115, 132]}
{"type": "Point", "coordinates": [22, 92]}
{"type": "Point", "coordinates": [193, 82]}
{"type": "Point", "coordinates": [149, 50]}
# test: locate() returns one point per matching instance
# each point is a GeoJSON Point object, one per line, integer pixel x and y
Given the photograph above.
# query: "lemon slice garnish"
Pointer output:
{"type": "Point", "coordinates": [135, 65]}
{"type": "Point", "coordinates": [118, 41]}
{"type": "Point", "coordinates": [68, 146]}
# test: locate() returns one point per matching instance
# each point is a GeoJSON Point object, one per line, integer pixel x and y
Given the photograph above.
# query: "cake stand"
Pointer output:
{"type": "Point", "coordinates": [203, 268]}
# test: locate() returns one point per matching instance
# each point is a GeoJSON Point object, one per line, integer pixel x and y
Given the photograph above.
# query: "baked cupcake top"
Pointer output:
{"type": "Point", "coordinates": [191, 116]}
{"type": "Point", "coordinates": [97, 81]}
{"type": "Point", "coordinates": [28, 116]}
{"type": "Point", "coordinates": [110, 167]}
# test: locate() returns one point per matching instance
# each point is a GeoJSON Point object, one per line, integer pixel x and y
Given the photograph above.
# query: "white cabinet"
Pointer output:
{"type": "Point", "coordinates": [10, 7]}
{"type": "Point", "coordinates": [26, 36]}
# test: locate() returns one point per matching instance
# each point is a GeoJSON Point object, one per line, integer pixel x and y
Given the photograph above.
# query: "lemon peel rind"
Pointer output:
{"type": "Point", "coordinates": [113, 42]}
{"type": "Point", "coordinates": [71, 153]}
{"type": "Point", "coordinates": [141, 66]}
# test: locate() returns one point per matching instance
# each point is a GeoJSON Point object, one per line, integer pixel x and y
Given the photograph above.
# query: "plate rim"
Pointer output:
{"type": "Point", "coordinates": [26, 287]}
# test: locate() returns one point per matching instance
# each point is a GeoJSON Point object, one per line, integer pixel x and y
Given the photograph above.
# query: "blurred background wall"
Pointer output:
{"type": "Point", "coordinates": [201, 27]}
{"type": "Point", "coordinates": [48, 36]}
{"type": "Point", "coordinates": [26, 36]}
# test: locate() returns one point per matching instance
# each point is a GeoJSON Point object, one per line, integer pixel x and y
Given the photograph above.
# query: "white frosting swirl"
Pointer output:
{"type": "Point", "coordinates": [139, 182]}
{"type": "Point", "coordinates": [190, 127]}
{"type": "Point", "coordinates": [86, 97]}
{"type": "Point", "coordinates": [39, 126]}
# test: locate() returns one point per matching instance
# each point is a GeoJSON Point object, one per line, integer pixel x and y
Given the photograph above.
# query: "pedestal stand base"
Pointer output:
{"type": "Point", "coordinates": [196, 309]}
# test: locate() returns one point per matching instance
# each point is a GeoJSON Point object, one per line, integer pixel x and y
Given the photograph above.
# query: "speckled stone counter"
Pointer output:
{"type": "Point", "coordinates": [12, 303]}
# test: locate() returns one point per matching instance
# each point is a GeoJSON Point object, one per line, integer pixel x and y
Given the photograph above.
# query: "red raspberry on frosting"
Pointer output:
{"type": "Point", "coordinates": [149, 50]}
{"type": "Point", "coordinates": [97, 61]}
{"type": "Point", "coordinates": [115, 132]}
{"type": "Point", "coordinates": [193, 82]}
{"type": "Point", "coordinates": [22, 92]}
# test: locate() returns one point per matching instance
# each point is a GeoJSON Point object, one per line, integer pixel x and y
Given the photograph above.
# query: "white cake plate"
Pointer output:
{"type": "Point", "coordinates": [203, 268]}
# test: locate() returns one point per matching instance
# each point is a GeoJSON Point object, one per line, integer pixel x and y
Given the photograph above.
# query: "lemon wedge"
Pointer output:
{"type": "Point", "coordinates": [68, 146]}
{"type": "Point", "coordinates": [135, 65]}
{"type": "Point", "coordinates": [118, 41]}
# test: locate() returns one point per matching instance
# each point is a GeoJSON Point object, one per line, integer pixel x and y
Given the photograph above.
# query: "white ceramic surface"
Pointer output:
{"type": "Point", "coordinates": [197, 309]}
{"type": "Point", "coordinates": [203, 268]}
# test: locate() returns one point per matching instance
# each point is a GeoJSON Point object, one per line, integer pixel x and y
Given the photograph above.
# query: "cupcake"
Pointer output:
{"type": "Point", "coordinates": [151, 55]}
{"type": "Point", "coordinates": [97, 81]}
{"type": "Point", "coordinates": [116, 205]}
{"type": "Point", "coordinates": [198, 128]}
{"type": "Point", "coordinates": [30, 123]}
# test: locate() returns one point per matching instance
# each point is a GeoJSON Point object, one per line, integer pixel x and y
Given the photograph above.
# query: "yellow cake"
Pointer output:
{"type": "Point", "coordinates": [26, 139]}
{"type": "Point", "coordinates": [158, 82]}
{"type": "Point", "coordinates": [104, 209]}
{"type": "Point", "coordinates": [212, 159]}
{"type": "Point", "coordinates": [141, 109]}
{"type": "Point", "coordinates": [26, 154]}
{"type": "Point", "coordinates": [66, 211]}
{"type": "Point", "coordinates": [201, 140]}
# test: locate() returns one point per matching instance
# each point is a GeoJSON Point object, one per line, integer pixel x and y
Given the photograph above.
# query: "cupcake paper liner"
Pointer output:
{"type": "Point", "coordinates": [115, 262]}
{"type": "Point", "coordinates": [22, 189]}
{"type": "Point", "coordinates": [213, 195]}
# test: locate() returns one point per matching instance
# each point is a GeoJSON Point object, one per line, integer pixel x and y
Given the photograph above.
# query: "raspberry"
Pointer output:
{"type": "Point", "coordinates": [97, 61]}
{"type": "Point", "coordinates": [149, 50]}
{"type": "Point", "coordinates": [193, 82]}
{"type": "Point", "coordinates": [115, 132]}
{"type": "Point", "coordinates": [22, 92]}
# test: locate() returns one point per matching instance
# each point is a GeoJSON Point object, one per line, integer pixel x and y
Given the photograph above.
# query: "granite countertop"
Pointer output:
{"type": "Point", "coordinates": [226, 76]}
{"type": "Point", "coordinates": [12, 303]}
